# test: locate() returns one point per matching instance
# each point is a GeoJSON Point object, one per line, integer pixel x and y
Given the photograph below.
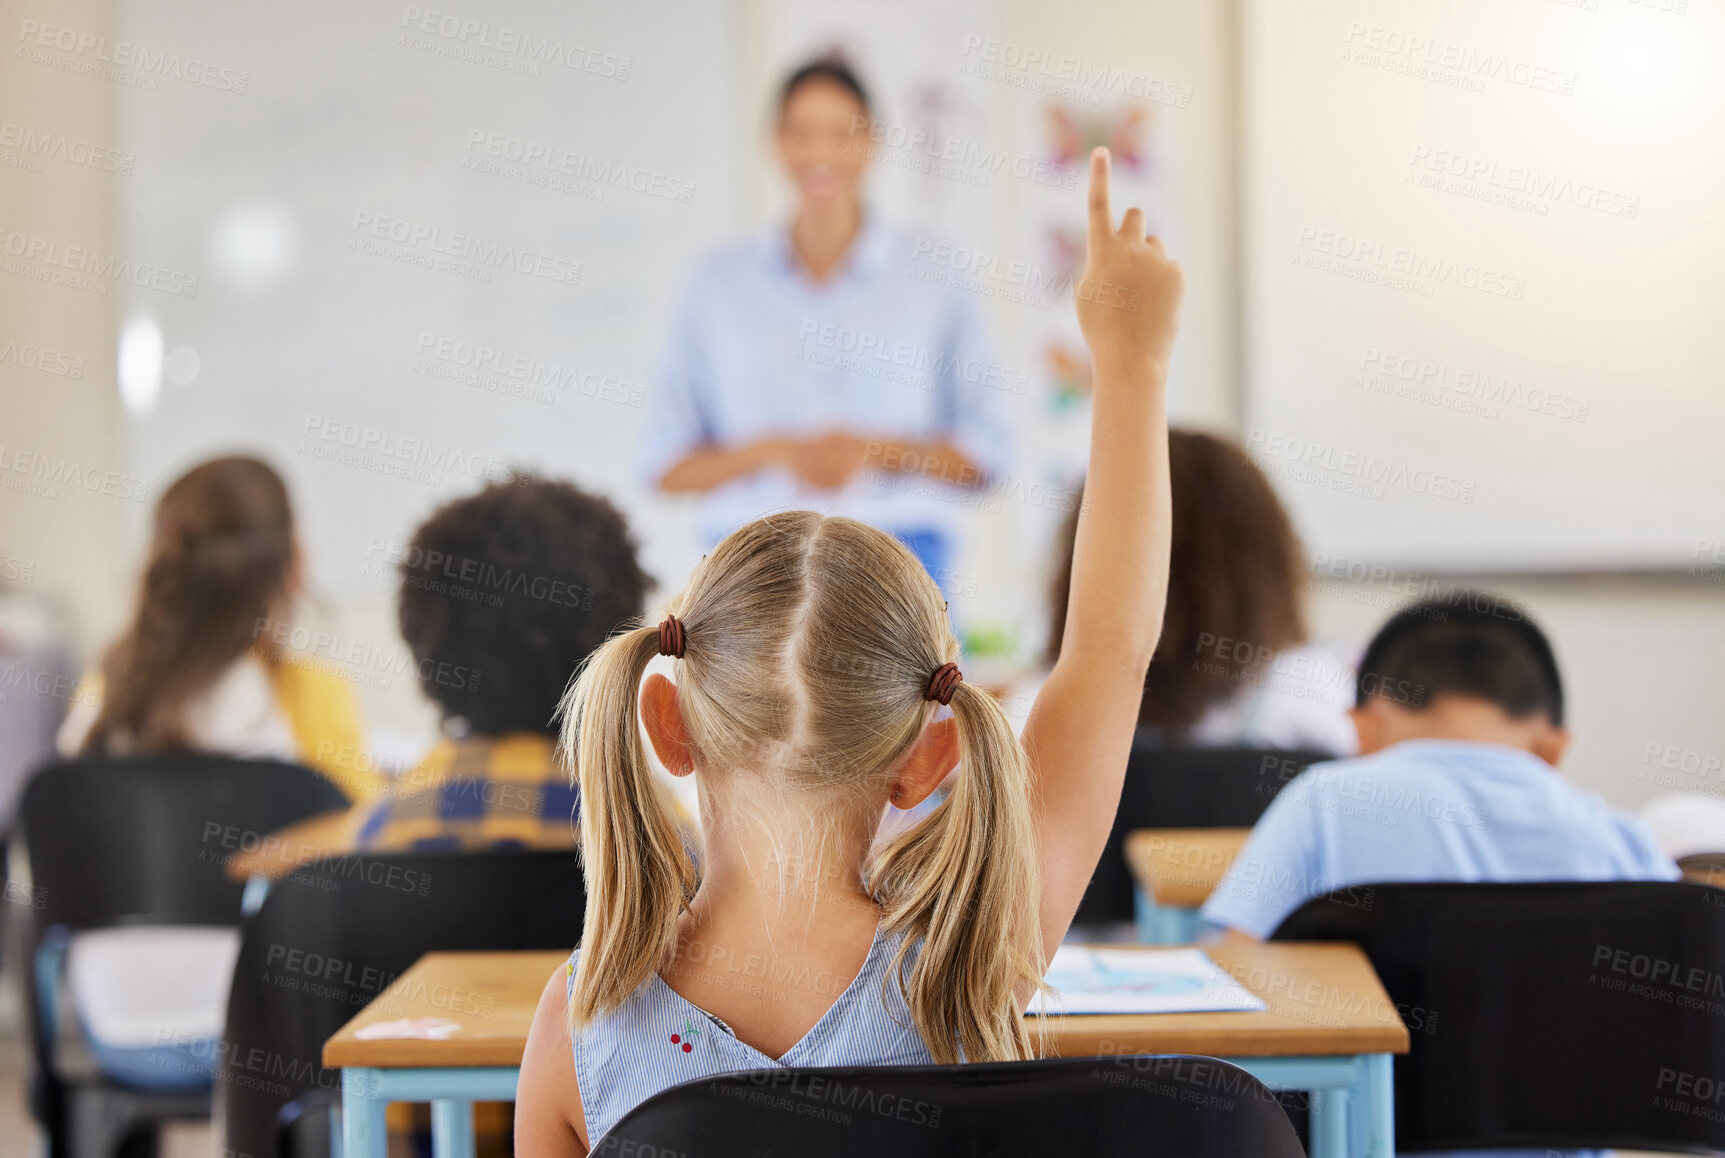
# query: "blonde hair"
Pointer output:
{"type": "Point", "coordinates": [809, 644]}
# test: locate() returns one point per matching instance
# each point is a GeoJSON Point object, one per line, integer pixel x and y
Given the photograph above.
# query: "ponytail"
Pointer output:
{"type": "Point", "coordinates": [639, 876]}
{"type": "Point", "coordinates": [964, 886]}
{"type": "Point", "coordinates": [219, 570]}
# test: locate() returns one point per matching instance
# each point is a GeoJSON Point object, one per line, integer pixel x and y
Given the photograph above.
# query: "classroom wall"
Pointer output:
{"type": "Point", "coordinates": [1641, 653]}
{"type": "Point", "coordinates": [1189, 43]}
{"type": "Point", "coordinates": [58, 540]}
{"type": "Point", "coordinates": [1640, 656]}
{"type": "Point", "coordinates": [1469, 292]}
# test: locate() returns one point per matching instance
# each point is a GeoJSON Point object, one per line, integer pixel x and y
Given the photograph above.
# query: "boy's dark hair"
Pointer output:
{"type": "Point", "coordinates": [827, 68]}
{"type": "Point", "coordinates": [504, 593]}
{"type": "Point", "coordinates": [1470, 643]}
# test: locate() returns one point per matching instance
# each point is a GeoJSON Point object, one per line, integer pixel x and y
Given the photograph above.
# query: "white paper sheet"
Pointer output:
{"type": "Point", "coordinates": [423, 1028]}
{"type": "Point", "coordinates": [1140, 981]}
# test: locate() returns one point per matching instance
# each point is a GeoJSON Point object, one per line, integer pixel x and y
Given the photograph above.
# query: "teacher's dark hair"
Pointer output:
{"type": "Point", "coordinates": [828, 68]}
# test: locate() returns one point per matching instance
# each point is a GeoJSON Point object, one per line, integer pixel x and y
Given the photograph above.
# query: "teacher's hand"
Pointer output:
{"type": "Point", "coordinates": [830, 461]}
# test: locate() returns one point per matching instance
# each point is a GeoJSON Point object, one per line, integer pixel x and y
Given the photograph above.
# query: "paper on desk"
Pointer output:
{"type": "Point", "coordinates": [424, 1028]}
{"type": "Point", "coordinates": [1139, 981]}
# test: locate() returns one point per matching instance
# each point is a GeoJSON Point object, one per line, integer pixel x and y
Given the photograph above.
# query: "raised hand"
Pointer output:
{"type": "Point", "coordinates": [1129, 295]}
{"type": "Point", "coordinates": [1080, 731]}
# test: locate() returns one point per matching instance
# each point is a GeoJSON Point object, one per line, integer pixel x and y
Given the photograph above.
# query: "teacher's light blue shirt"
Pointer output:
{"type": "Point", "coordinates": [758, 349]}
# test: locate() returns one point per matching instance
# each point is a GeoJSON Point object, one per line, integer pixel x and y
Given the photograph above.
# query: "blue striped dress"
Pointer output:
{"type": "Point", "coordinates": [658, 1039]}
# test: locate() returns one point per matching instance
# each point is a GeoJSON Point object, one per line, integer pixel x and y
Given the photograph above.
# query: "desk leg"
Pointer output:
{"type": "Point", "coordinates": [365, 1093]}
{"type": "Point", "coordinates": [365, 1134]}
{"type": "Point", "coordinates": [1144, 911]}
{"type": "Point", "coordinates": [1353, 1100]}
{"type": "Point", "coordinates": [451, 1128]}
{"type": "Point", "coordinates": [1329, 1123]}
{"type": "Point", "coordinates": [1162, 924]}
{"type": "Point", "coordinates": [1372, 1120]}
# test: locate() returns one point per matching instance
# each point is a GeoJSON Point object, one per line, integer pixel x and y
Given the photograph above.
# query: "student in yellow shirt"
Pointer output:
{"type": "Point", "coordinates": [190, 673]}
{"type": "Point", "coordinates": [192, 670]}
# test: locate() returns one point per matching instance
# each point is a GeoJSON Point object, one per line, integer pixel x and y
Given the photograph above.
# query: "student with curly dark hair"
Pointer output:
{"type": "Point", "coordinates": [503, 594]}
{"type": "Point", "coordinates": [1232, 666]}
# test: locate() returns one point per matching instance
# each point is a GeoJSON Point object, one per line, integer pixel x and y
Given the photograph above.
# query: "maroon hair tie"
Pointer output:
{"type": "Point", "coordinates": [942, 683]}
{"type": "Point", "coordinates": [671, 641]}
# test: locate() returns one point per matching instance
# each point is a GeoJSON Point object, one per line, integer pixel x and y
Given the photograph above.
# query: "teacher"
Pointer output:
{"type": "Point", "coordinates": [823, 364]}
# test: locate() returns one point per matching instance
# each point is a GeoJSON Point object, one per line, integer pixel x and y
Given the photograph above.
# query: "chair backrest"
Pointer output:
{"type": "Point", "coordinates": [1104, 1106]}
{"type": "Point", "coordinates": [148, 838]}
{"type": "Point", "coordinates": [145, 840]}
{"type": "Point", "coordinates": [142, 841]}
{"type": "Point", "coordinates": [330, 937]}
{"type": "Point", "coordinates": [1547, 1015]}
{"type": "Point", "coordinates": [1185, 788]}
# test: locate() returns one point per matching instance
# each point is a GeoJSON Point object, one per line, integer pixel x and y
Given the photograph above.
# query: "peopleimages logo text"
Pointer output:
{"type": "Point", "coordinates": [515, 42]}
{"type": "Point", "coordinates": [126, 54]}
{"type": "Point", "coordinates": [483, 254]}
{"type": "Point", "coordinates": [1426, 267]}
{"type": "Point", "coordinates": [1357, 465]}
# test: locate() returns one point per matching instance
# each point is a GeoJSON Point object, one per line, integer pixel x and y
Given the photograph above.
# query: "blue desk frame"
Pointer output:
{"type": "Point", "coordinates": [366, 1094]}
{"type": "Point", "coordinates": [1352, 1107]}
{"type": "Point", "coordinates": [1165, 924]}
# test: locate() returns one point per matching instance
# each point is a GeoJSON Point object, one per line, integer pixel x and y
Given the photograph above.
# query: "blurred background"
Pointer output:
{"type": "Point", "coordinates": [1454, 272]}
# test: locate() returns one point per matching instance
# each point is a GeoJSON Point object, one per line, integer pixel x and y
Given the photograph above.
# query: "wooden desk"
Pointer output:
{"type": "Point", "coordinates": [279, 853]}
{"type": "Point", "coordinates": [1324, 1000]}
{"type": "Point", "coordinates": [491, 995]}
{"type": "Point", "coordinates": [1329, 1028]}
{"type": "Point", "coordinates": [1710, 874]}
{"type": "Point", "coordinates": [1174, 871]}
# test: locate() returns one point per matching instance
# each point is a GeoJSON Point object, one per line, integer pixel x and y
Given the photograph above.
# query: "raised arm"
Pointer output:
{"type": "Point", "coordinates": [1080, 729]}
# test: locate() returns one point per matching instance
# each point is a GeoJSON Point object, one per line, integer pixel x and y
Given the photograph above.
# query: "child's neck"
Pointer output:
{"type": "Point", "coordinates": [781, 926]}
{"type": "Point", "coordinates": [776, 870]}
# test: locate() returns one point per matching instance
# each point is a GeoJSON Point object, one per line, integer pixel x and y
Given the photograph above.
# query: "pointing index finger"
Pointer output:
{"type": "Point", "coordinates": [1101, 217]}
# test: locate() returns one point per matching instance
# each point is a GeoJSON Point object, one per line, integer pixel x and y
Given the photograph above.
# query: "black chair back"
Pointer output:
{"type": "Point", "coordinates": [1184, 788]}
{"type": "Point", "coordinates": [1549, 1015]}
{"type": "Point", "coordinates": [143, 840]}
{"type": "Point", "coordinates": [1173, 1106]}
{"type": "Point", "coordinates": [330, 937]}
{"type": "Point", "coordinates": [148, 838]}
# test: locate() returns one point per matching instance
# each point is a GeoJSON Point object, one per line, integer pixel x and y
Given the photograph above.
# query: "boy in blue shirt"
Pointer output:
{"type": "Point", "coordinates": [1459, 710]}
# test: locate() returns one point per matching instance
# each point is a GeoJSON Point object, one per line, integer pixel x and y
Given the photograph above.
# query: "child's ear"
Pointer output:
{"type": "Point", "coordinates": [1549, 743]}
{"type": "Point", "coordinates": [664, 720]}
{"type": "Point", "coordinates": [1369, 727]}
{"type": "Point", "coordinates": [926, 764]}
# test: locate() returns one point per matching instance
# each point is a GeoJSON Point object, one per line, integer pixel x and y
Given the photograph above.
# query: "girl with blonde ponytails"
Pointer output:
{"type": "Point", "coordinates": [811, 657]}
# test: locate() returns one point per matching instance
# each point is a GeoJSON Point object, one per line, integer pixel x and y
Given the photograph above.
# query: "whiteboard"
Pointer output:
{"type": "Point", "coordinates": [433, 242]}
{"type": "Point", "coordinates": [1485, 256]}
